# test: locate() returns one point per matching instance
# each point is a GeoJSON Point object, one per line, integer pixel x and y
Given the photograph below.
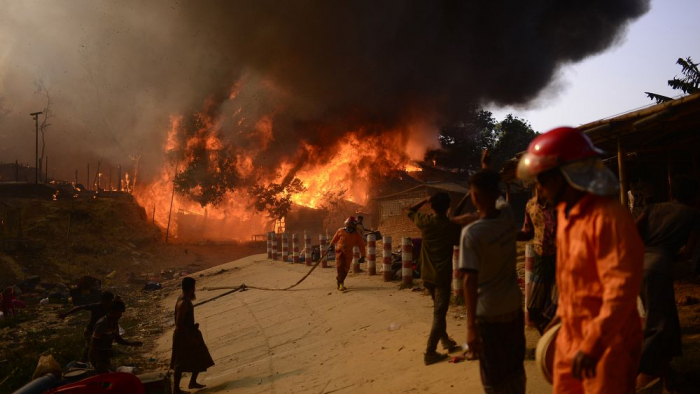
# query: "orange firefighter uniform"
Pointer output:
{"type": "Point", "coordinates": [599, 272]}
{"type": "Point", "coordinates": [344, 241]}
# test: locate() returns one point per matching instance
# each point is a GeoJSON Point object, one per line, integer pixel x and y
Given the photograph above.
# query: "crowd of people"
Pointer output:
{"type": "Point", "coordinates": [592, 262]}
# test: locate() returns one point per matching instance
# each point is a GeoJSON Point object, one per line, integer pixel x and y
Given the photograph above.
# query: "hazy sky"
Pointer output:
{"type": "Point", "coordinates": [118, 70]}
{"type": "Point", "coordinates": [615, 81]}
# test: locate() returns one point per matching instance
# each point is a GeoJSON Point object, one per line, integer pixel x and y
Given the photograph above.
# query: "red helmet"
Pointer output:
{"type": "Point", "coordinates": [351, 221]}
{"type": "Point", "coordinates": [553, 149]}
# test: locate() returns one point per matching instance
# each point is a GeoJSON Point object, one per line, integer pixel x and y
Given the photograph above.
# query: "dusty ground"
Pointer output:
{"type": "Point", "coordinates": [314, 339]}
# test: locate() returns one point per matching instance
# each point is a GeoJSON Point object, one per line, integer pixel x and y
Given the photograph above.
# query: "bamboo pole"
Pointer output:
{"type": "Point", "coordinates": [622, 172]}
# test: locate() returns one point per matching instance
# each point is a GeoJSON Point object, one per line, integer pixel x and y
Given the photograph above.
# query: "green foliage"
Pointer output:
{"type": "Point", "coordinates": [463, 142]}
{"type": "Point", "coordinates": [688, 84]}
{"type": "Point", "coordinates": [513, 135]}
{"type": "Point", "coordinates": [275, 198]}
{"type": "Point", "coordinates": [211, 171]}
{"type": "Point", "coordinates": [207, 178]}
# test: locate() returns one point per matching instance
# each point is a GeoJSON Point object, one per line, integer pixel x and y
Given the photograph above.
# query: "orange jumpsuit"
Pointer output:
{"type": "Point", "coordinates": [599, 272]}
{"type": "Point", "coordinates": [344, 242]}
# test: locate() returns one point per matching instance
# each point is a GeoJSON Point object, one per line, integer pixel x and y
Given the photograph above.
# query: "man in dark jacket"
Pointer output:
{"type": "Point", "coordinates": [439, 236]}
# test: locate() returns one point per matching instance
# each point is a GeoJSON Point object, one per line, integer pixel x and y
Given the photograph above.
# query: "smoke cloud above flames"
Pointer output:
{"type": "Point", "coordinates": [287, 80]}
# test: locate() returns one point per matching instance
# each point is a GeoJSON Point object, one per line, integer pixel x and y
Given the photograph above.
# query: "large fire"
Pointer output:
{"type": "Point", "coordinates": [347, 169]}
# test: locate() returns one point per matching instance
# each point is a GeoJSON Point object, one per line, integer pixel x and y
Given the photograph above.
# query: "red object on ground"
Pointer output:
{"type": "Point", "coordinates": [116, 382]}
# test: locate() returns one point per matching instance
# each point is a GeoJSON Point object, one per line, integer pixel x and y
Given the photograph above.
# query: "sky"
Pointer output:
{"type": "Point", "coordinates": [120, 72]}
{"type": "Point", "coordinates": [615, 81]}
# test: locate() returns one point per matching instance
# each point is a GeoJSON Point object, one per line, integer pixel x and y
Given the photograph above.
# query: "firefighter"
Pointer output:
{"type": "Point", "coordinates": [344, 240]}
{"type": "Point", "coordinates": [599, 265]}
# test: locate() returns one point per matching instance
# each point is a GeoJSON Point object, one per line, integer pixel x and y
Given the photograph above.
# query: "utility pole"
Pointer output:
{"type": "Point", "coordinates": [119, 172]}
{"type": "Point", "coordinates": [87, 185]}
{"type": "Point", "coordinates": [46, 178]}
{"type": "Point", "coordinates": [36, 151]}
{"type": "Point", "coordinates": [172, 197]}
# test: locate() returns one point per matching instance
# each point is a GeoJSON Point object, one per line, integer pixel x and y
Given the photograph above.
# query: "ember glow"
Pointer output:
{"type": "Point", "coordinates": [203, 142]}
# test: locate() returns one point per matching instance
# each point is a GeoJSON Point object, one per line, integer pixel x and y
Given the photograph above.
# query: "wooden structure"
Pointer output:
{"type": "Point", "coordinates": [649, 145]}
{"type": "Point", "coordinates": [392, 219]}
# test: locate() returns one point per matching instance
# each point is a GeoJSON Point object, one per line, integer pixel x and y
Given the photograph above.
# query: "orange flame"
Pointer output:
{"type": "Point", "coordinates": [349, 166]}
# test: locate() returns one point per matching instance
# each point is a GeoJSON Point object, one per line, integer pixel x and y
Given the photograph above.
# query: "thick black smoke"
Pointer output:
{"type": "Point", "coordinates": [344, 64]}
{"type": "Point", "coordinates": [384, 58]}
{"type": "Point", "coordinates": [326, 66]}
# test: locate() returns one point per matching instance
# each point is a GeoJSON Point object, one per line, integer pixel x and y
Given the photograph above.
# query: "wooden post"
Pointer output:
{"type": "Point", "coordinates": [669, 171]}
{"type": "Point", "coordinates": [46, 178]}
{"type": "Point", "coordinates": [87, 184]}
{"type": "Point", "coordinates": [119, 175]}
{"type": "Point", "coordinates": [622, 173]}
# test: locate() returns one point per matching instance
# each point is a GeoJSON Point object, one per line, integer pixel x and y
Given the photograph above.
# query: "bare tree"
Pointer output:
{"type": "Point", "coordinates": [335, 207]}
{"type": "Point", "coordinates": [44, 91]}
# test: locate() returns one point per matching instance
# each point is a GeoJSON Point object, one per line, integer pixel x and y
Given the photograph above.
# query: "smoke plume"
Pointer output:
{"type": "Point", "coordinates": [314, 69]}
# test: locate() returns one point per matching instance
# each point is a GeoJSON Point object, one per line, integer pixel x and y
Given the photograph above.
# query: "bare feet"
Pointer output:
{"type": "Point", "coordinates": [195, 385]}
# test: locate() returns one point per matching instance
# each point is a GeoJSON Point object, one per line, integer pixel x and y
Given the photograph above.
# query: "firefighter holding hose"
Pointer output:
{"type": "Point", "coordinates": [344, 240]}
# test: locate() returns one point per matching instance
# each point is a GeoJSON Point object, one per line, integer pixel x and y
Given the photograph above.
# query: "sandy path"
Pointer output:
{"type": "Point", "coordinates": [314, 339]}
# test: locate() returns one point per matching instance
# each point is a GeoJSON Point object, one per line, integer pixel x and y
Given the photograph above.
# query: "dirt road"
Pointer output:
{"type": "Point", "coordinates": [315, 339]}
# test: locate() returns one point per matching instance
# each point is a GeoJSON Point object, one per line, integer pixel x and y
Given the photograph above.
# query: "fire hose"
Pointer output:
{"type": "Point", "coordinates": [244, 287]}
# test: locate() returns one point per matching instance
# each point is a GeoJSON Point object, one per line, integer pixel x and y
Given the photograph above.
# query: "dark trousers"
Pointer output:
{"type": "Point", "coordinates": [502, 355]}
{"type": "Point", "coordinates": [441, 303]}
{"type": "Point", "coordinates": [662, 331]}
{"type": "Point", "coordinates": [342, 265]}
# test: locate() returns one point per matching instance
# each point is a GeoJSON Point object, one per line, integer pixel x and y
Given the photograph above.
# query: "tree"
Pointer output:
{"type": "Point", "coordinates": [462, 142]}
{"type": "Point", "coordinates": [335, 207]}
{"type": "Point", "coordinates": [688, 84]}
{"type": "Point", "coordinates": [41, 89]}
{"type": "Point", "coordinates": [275, 198]}
{"type": "Point", "coordinates": [513, 135]}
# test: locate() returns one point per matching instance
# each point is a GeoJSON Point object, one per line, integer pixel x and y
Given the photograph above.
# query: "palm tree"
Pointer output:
{"type": "Point", "coordinates": [690, 83]}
